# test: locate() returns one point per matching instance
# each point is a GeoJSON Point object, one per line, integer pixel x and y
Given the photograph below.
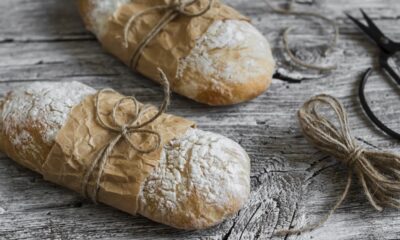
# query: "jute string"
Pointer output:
{"type": "Point", "coordinates": [377, 171]}
{"type": "Point", "coordinates": [331, 45]}
{"type": "Point", "coordinates": [173, 10]}
{"type": "Point", "coordinates": [124, 131]}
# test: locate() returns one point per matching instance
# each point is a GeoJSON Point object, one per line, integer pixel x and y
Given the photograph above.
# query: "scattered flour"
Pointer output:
{"type": "Point", "coordinates": [228, 50]}
{"type": "Point", "coordinates": [40, 106]}
{"type": "Point", "coordinates": [101, 13]}
{"type": "Point", "coordinates": [208, 165]}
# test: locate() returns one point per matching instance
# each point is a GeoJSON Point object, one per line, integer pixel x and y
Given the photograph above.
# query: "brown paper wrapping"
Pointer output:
{"type": "Point", "coordinates": [81, 138]}
{"type": "Point", "coordinates": [173, 43]}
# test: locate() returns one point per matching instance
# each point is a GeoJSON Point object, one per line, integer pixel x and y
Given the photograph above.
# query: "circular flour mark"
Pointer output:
{"type": "Point", "coordinates": [2, 210]}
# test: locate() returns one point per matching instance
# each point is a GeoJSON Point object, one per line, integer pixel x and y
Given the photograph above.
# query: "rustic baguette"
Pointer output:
{"type": "Point", "coordinates": [231, 62]}
{"type": "Point", "coordinates": [202, 178]}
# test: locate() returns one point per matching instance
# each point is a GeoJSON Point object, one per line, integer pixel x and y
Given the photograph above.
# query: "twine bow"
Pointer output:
{"type": "Point", "coordinates": [124, 131]}
{"type": "Point", "coordinates": [172, 10]}
{"type": "Point", "coordinates": [377, 171]}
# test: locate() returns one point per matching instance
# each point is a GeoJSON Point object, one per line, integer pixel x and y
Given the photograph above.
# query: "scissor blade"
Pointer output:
{"type": "Point", "coordinates": [363, 27]}
{"type": "Point", "coordinates": [372, 26]}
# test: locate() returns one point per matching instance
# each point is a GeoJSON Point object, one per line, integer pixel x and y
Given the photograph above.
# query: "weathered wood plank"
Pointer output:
{"type": "Point", "coordinates": [292, 183]}
{"type": "Point", "coordinates": [45, 20]}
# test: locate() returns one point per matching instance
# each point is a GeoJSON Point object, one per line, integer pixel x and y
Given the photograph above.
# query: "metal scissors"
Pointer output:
{"type": "Point", "coordinates": [387, 49]}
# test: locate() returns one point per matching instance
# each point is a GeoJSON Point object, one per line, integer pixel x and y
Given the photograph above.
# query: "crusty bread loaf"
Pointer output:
{"type": "Point", "coordinates": [32, 116]}
{"type": "Point", "coordinates": [230, 63]}
{"type": "Point", "coordinates": [202, 177]}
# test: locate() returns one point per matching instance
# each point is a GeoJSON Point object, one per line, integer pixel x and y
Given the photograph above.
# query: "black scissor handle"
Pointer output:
{"type": "Point", "coordinates": [368, 110]}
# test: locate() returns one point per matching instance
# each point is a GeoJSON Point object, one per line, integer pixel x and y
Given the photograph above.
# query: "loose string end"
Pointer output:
{"type": "Point", "coordinates": [312, 227]}
{"type": "Point", "coordinates": [166, 87]}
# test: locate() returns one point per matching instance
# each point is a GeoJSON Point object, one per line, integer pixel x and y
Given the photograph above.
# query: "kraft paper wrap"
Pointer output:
{"type": "Point", "coordinates": [174, 42]}
{"type": "Point", "coordinates": [81, 138]}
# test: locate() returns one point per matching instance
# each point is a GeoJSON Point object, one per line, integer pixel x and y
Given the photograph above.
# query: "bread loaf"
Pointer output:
{"type": "Point", "coordinates": [227, 62]}
{"type": "Point", "coordinates": [202, 177]}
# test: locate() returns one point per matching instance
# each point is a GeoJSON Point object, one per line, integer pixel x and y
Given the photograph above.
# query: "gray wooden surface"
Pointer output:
{"type": "Point", "coordinates": [292, 183]}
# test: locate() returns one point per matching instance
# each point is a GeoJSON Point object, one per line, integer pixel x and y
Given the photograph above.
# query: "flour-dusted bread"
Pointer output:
{"type": "Point", "coordinates": [229, 63]}
{"type": "Point", "coordinates": [202, 177]}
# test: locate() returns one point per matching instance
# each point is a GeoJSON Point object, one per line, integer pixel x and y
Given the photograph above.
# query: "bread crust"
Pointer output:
{"type": "Point", "coordinates": [210, 185]}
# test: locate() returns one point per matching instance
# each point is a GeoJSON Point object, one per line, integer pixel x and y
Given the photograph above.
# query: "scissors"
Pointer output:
{"type": "Point", "coordinates": [387, 49]}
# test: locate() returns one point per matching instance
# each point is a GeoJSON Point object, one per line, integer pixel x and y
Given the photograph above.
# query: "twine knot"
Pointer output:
{"type": "Point", "coordinates": [124, 131]}
{"type": "Point", "coordinates": [178, 6]}
{"type": "Point", "coordinates": [353, 156]}
{"type": "Point", "coordinates": [377, 171]}
{"type": "Point", "coordinates": [174, 9]}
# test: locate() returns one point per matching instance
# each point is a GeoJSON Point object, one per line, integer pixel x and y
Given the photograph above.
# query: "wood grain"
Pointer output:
{"type": "Point", "coordinates": [292, 183]}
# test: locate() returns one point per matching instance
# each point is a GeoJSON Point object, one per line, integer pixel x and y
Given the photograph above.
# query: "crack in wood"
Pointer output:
{"type": "Point", "coordinates": [52, 80]}
{"type": "Point", "coordinates": [316, 162]}
{"type": "Point", "coordinates": [292, 220]}
{"type": "Point", "coordinates": [226, 236]}
{"type": "Point", "coordinates": [278, 206]}
{"type": "Point", "coordinates": [50, 40]}
{"type": "Point", "coordinates": [316, 173]}
{"type": "Point", "coordinates": [368, 143]}
{"type": "Point", "coordinates": [250, 219]}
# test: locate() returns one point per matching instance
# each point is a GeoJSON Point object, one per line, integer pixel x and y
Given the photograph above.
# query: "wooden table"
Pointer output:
{"type": "Point", "coordinates": [292, 182]}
